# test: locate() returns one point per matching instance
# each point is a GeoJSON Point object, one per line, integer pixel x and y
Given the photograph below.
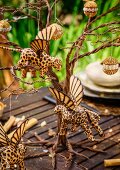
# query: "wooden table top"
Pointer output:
{"type": "Point", "coordinates": [33, 105]}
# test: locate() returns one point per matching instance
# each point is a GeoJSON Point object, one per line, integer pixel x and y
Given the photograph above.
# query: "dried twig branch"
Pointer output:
{"type": "Point", "coordinates": [103, 25]}
{"type": "Point", "coordinates": [104, 14]}
{"type": "Point", "coordinates": [10, 44]}
{"type": "Point", "coordinates": [49, 13]}
{"type": "Point", "coordinates": [98, 49]}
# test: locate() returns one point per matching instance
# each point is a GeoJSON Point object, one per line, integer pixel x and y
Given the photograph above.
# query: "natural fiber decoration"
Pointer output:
{"type": "Point", "coordinates": [5, 26]}
{"type": "Point", "coordinates": [12, 152]}
{"type": "Point", "coordinates": [36, 58]}
{"type": "Point", "coordinates": [72, 113]}
{"type": "Point", "coordinates": [110, 65]}
{"type": "Point", "coordinates": [58, 31]}
{"type": "Point", "coordinates": [90, 9]}
{"type": "Point", "coordinates": [52, 32]}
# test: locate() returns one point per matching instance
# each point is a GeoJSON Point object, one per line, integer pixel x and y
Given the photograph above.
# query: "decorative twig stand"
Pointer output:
{"type": "Point", "coordinates": [69, 93]}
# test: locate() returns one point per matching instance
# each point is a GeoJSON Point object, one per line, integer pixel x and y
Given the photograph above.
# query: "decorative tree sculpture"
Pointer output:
{"type": "Point", "coordinates": [69, 93]}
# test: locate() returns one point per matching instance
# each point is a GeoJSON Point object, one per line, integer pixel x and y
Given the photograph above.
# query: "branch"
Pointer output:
{"type": "Point", "coordinates": [13, 68]}
{"type": "Point", "coordinates": [109, 11]}
{"type": "Point", "coordinates": [11, 44]}
{"type": "Point", "coordinates": [104, 25]}
{"type": "Point", "coordinates": [49, 13]}
{"type": "Point", "coordinates": [70, 65]}
{"type": "Point", "coordinates": [98, 49]}
{"type": "Point", "coordinates": [24, 13]}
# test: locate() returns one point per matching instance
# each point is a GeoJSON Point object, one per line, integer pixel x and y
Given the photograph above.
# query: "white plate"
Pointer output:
{"type": "Point", "coordinates": [93, 87]}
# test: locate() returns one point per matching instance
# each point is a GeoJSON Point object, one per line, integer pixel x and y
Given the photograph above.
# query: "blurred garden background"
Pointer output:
{"type": "Point", "coordinates": [68, 13]}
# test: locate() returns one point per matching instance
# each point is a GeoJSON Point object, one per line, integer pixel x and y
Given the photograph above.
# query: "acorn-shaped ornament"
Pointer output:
{"type": "Point", "coordinates": [90, 8]}
{"type": "Point", "coordinates": [4, 26]}
{"type": "Point", "coordinates": [110, 65]}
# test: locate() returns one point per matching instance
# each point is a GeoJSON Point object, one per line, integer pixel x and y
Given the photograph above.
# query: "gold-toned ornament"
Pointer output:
{"type": "Point", "coordinates": [90, 8]}
{"type": "Point", "coordinates": [110, 65]}
{"type": "Point", "coordinates": [52, 32]}
{"type": "Point", "coordinates": [58, 31]}
{"type": "Point", "coordinates": [4, 26]}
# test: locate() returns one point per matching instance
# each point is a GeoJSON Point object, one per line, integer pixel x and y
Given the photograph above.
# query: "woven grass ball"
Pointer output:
{"type": "Point", "coordinates": [4, 26]}
{"type": "Point", "coordinates": [110, 65]}
{"type": "Point", "coordinates": [90, 9]}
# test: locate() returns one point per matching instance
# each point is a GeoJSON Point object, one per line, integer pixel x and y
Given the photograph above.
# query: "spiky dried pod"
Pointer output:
{"type": "Point", "coordinates": [110, 65]}
{"type": "Point", "coordinates": [4, 26]}
{"type": "Point", "coordinates": [90, 9]}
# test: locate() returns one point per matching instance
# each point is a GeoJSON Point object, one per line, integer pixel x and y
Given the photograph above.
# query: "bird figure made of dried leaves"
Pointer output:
{"type": "Point", "coordinates": [36, 57]}
{"type": "Point", "coordinates": [12, 153]}
{"type": "Point", "coordinates": [72, 113]}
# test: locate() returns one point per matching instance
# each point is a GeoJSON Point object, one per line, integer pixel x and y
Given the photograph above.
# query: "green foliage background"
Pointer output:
{"type": "Point", "coordinates": [24, 31]}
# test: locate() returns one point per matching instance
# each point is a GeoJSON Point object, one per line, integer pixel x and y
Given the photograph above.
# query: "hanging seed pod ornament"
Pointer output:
{"type": "Point", "coordinates": [4, 26]}
{"type": "Point", "coordinates": [90, 8]}
{"type": "Point", "coordinates": [52, 32]}
{"type": "Point", "coordinates": [110, 65]}
{"type": "Point", "coordinates": [58, 31]}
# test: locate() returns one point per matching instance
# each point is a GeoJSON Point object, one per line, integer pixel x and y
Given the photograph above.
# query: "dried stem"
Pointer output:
{"type": "Point", "coordinates": [49, 13]}
{"type": "Point", "coordinates": [104, 25]}
{"type": "Point", "coordinates": [104, 14]}
{"type": "Point", "coordinates": [99, 48]}
{"type": "Point", "coordinates": [70, 65]}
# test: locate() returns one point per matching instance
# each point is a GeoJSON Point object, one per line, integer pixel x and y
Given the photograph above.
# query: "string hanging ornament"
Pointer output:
{"type": "Point", "coordinates": [5, 26]}
{"type": "Point", "coordinates": [90, 8]}
{"type": "Point", "coordinates": [55, 31]}
{"type": "Point", "coordinates": [110, 65]}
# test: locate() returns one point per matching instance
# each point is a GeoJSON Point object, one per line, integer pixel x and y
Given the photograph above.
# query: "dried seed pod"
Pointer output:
{"type": "Point", "coordinates": [90, 9]}
{"type": "Point", "coordinates": [58, 31]}
{"type": "Point", "coordinates": [110, 65]}
{"type": "Point", "coordinates": [5, 26]}
{"type": "Point", "coordinates": [52, 32]}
